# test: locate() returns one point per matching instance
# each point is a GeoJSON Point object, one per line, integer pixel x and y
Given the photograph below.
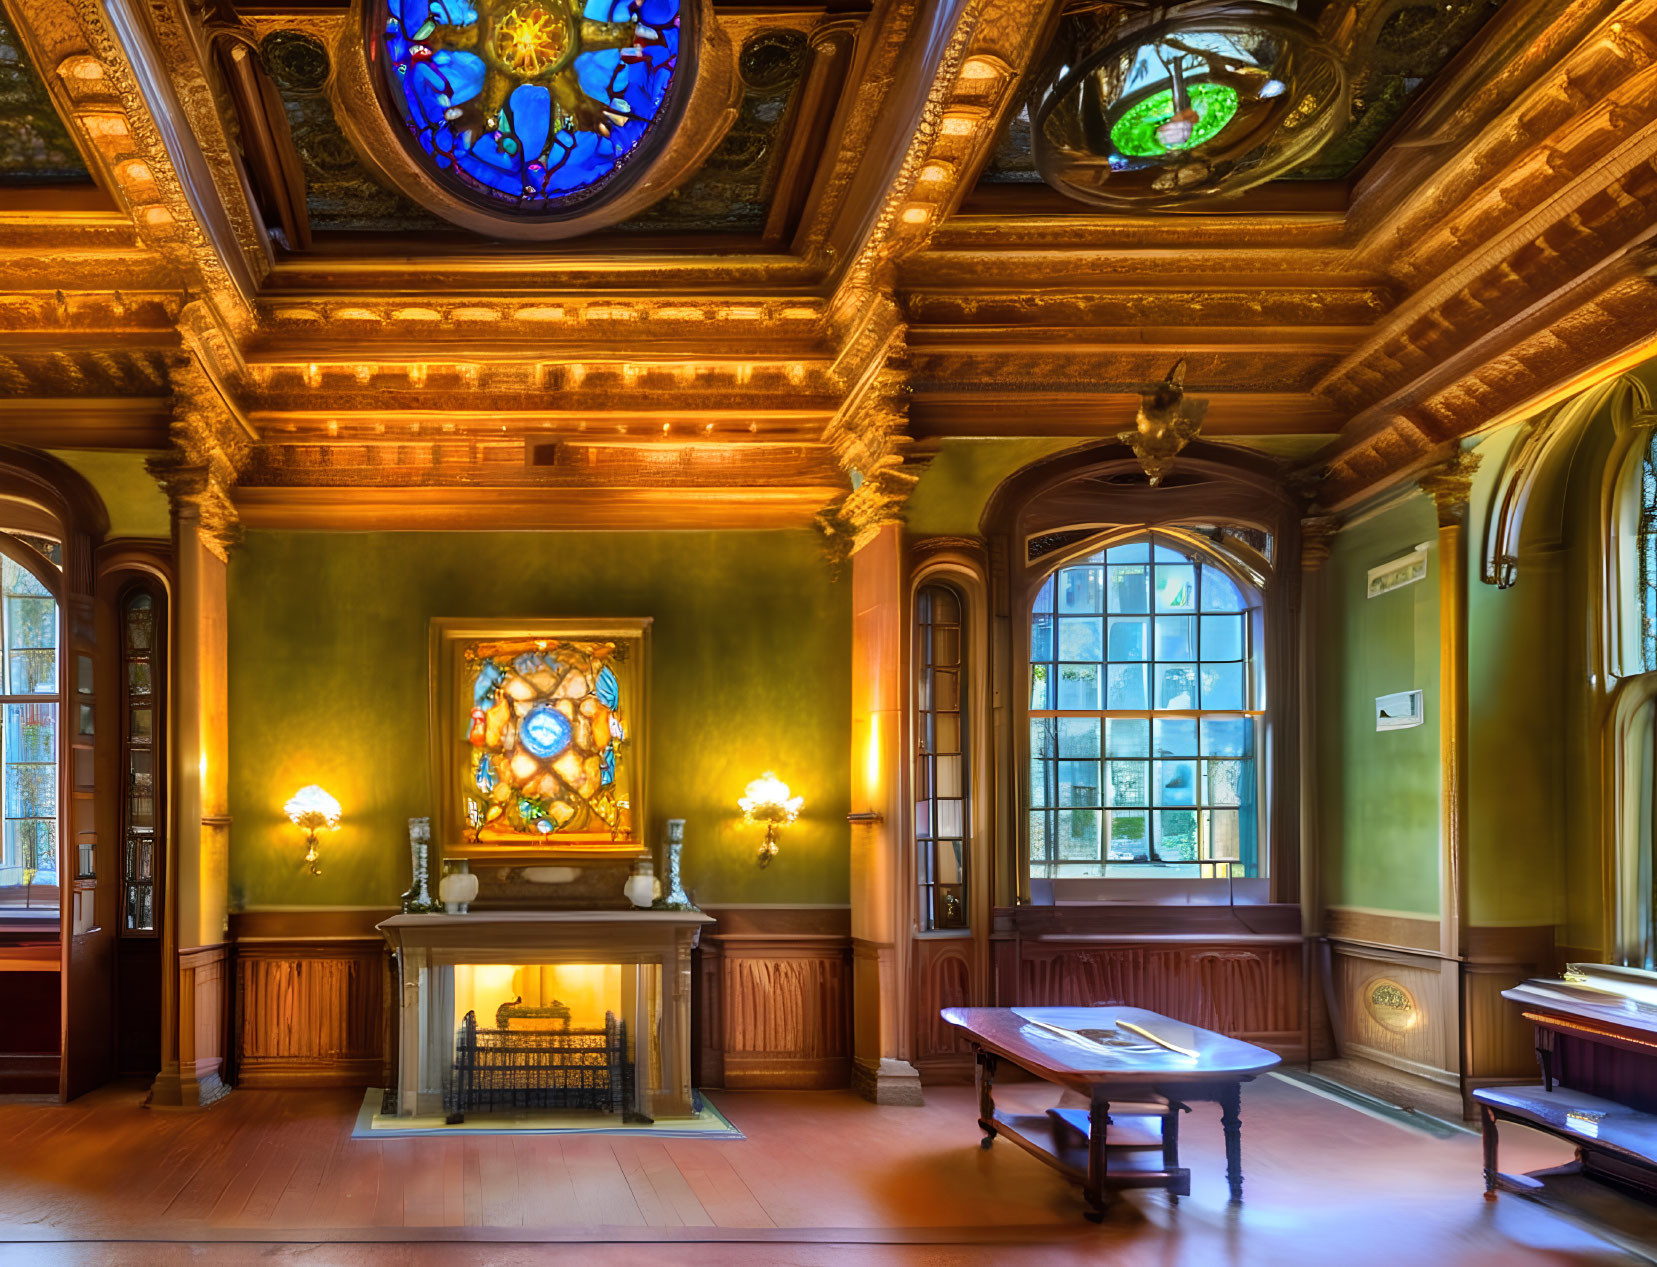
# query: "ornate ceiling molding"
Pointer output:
{"type": "Point", "coordinates": [211, 447]}
{"type": "Point", "coordinates": [1494, 259]}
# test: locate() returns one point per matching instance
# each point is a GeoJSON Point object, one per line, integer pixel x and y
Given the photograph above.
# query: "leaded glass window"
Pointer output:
{"type": "Point", "coordinates": [1144, 717]}
{"type": "Point", "coordinates": [28, 735]}
{"type": "Point", "coordinates": [941, 804]}
{"type": "Point", "coordinates": [139, 848]}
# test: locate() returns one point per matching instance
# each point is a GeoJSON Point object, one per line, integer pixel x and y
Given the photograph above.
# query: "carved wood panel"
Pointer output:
{"type": "Point", "coordinates": [944, 979]}
{"type": "Point", "coordinates": [312, 1017]}
{"type": "Point", "coordinates": [774, 1012]}
{"type": "Point", "coordinates": [1249, 992]}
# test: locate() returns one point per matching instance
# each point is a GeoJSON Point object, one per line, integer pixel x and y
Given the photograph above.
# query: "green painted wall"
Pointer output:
{"type": "Point", "coordinates": [328, 684]}
{"type": "Point", "coordinates": [950, 496]}
{"type": "Point", "coordinates": [137, 507]}
{"type": "Point", "coordinates": [1378, 792]}
{"type": "Point", "coordinates": [1516, 750]}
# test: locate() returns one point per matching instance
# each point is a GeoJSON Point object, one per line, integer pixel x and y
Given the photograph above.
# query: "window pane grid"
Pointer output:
{"type": "Point", "coordinates": [28, 734]}
{"type": "Point", "coordinates": [138, 860]}
{"type": "Point", "coordinates": [941, 778]}
{"type": "Point", "coordinates": [1143, 724]}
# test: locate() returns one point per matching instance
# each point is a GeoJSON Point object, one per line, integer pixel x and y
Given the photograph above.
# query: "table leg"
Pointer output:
{"type": "Point", "coordinates": [1170, 1142]}
{"type": "Point", "coordinates": [1487, 1122]}
{"type": "Point", "coordinates": [985, 1070]}
{"type": "Point", "coordinates": [1097, 1169]}
{"type": "Point", "coordinates": [1231, 1103]}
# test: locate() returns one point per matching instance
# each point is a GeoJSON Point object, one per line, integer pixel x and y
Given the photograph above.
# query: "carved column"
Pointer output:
{"type": "Point", "coordinates": [879, 778]}
{"type": "Point", "coordinates": [1317, 538]}
{"type": "Point", "coordinates": [1450, 487]}
{"type": "Point", "coordinates": [209, 448]}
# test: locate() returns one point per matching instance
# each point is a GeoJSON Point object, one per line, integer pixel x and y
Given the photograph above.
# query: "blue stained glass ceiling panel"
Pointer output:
{"type": "Point", "coordinates": [528, 104]}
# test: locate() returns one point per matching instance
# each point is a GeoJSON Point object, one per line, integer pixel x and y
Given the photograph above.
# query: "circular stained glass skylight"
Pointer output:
{"type": "Point", "coordinates": [1186, 103]}
{"type": "Point", "coordinates": [1160, 124]}
{"type": "Point", "coordinates": [531, 106]}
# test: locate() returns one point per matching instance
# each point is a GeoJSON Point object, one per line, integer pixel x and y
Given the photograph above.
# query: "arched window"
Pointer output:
{"type": "Point", "coordinates": [1646, 555]}
{"type": "Point", "coordinates": [30, 853]}
{"type": "Point", "coordinates": [942, 808]}
{"type": "Point", "coordinates": [1145, 710]}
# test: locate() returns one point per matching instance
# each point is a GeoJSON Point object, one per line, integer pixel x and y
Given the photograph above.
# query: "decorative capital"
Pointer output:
{"type": "Point", "coordinates": [1317, 538]}
{"type": "Point", "coordinates": [1450, 487]}
{"type": "Point", "coordinates": [869, 434]}
{"type": "Point", "coordinates": [209, 451]}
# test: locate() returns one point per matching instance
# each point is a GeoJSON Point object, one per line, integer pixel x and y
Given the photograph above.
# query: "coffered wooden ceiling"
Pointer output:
{"type": "Point", "coordinates": [194, 261]}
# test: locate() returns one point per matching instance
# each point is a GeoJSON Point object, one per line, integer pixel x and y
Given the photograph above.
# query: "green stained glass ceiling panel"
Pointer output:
{"type": "Point", "coordinates": [35, 146]}
{"type": "Point", "coordinates": [1152, 127]}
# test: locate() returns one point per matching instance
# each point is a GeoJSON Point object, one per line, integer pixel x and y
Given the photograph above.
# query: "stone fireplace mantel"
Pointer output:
{"type": "Point", "coordinates": [655, 1006]}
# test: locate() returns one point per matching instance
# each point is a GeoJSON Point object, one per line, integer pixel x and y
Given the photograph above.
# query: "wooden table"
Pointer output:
{"type": "Point", "coordinates": [1145, 1085]}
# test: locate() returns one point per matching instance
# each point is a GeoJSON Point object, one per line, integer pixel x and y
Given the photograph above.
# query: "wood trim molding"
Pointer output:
{"type": "Point", "coordinates": [1381, 928]}
{"type": "Point", "coordinates": [317, 923]}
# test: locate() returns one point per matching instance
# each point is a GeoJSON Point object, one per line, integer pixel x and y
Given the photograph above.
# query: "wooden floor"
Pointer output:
{"type": "Point", "coordinates": [822, 1178]}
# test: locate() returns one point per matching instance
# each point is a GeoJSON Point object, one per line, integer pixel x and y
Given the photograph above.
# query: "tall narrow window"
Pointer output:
{"type": "Point", "coordinates": [941, 806]}
{"type": "Point", "coordinates": [1144, 717]}
{"type": "Point", "coordinates": [29, 848]}
{"type": "Point", "coordinates": [1647, 554]}
{"type": "Point", "coordinates": [139, 645]}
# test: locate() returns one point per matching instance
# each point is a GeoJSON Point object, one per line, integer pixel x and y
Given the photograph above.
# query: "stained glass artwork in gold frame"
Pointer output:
{"type": "Point", "coordinates": [538, 737]}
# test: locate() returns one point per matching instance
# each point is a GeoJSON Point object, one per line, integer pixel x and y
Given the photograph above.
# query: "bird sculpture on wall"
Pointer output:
{"type": "Point", "coordinates": [1167, 421]}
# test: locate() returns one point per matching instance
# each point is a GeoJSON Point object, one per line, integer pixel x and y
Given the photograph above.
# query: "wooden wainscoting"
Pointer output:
{"type": "Point", "coordinates": [1501, 1044]}
{"type": "Point", "coordinates": [1238, 970]}
{"type": "Point", "coordinates": [1398, 1008]}
{"type": "Point", "coordinates": [312, 999]}
{"type": "Point", "coordinates": [943, 978]}
{"type": "Point", "coordinates": [773, 998]}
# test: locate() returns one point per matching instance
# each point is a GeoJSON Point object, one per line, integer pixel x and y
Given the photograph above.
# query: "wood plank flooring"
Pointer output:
{"type": "Point", "coordinates": [274, 1177]}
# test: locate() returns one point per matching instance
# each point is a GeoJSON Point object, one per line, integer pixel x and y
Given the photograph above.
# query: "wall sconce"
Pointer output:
{"type": "Point", "coordinates": [768, 802]}
{"type": "Point", "coordinates": [311, 808]}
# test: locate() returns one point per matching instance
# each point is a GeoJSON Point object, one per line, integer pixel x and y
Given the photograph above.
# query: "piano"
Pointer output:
{"type": "Point", "coordinates": [1596, 1042]}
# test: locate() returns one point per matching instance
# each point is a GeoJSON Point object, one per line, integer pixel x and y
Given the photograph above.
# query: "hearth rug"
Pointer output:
{"type": "Point", "coordinates": [708, 1123]}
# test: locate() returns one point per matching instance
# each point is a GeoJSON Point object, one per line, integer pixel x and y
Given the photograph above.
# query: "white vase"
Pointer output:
{"type": "Point", "coordinates": [458, 886]}
{"type": "Point", "coordinates": [641, 885]}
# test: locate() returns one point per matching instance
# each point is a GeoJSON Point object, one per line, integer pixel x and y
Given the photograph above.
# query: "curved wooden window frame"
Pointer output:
{"type": "Point", "coordinates": [39, 495]}
{"type": "Point", "coordinates": [1102, 490]}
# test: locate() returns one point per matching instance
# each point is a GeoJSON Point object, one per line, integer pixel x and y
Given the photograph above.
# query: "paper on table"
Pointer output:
{"type": "Point", "coordinates": [1112, 1047]}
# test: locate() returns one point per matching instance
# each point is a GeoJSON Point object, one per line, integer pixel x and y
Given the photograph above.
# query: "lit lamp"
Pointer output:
{"type": "Point", "coordinates": [768, 802]}
{"type": "Point", "coordinates": [312, 809]}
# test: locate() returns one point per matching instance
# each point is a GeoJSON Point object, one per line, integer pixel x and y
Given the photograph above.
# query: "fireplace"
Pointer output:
{"type": "Point", "coordinates": [542, 973]}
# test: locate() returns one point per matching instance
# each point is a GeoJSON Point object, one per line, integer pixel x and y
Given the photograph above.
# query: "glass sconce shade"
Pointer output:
{"type": "Point", "coordinates": [1195, 102]}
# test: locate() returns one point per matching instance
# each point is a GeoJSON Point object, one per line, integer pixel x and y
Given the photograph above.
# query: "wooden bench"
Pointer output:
{"type": "Point", "coordinates": [1613, 1140]}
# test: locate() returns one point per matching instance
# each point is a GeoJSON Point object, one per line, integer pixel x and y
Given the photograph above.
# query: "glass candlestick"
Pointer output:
{"type": "Point", "coordinates": [417, 898]}
{"type": "Point", "coordinates": [676, 899]}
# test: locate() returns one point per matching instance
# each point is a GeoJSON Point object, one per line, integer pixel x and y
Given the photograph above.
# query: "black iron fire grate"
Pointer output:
{"type": "Point", "coordinates": [539, 1070]}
